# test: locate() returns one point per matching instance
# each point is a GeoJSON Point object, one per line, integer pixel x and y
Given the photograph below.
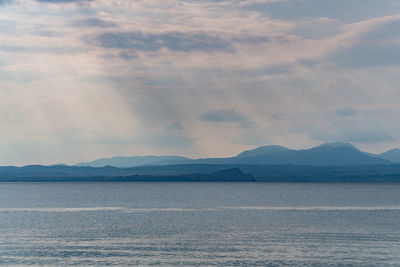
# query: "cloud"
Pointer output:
{"type": "Point", "coordinates": [127, 55]}
{"type": "Point", "coordinates": [254, 69]}
{"type": "Point", "coordinates": [174, 41]}
{"type": "Point", "coordinates": [93, 22]}
{"type": "Point", "coordinates": [253, 39]}
{"type": "Point", "coordinates": [365, 55]}
{"type": "Point", "coordinates": [46, 33]}
{"type": "Point", "coordinates": [246, 124]}
{"type": "Point", "coordinates": [346, 111]}
{"type": "Point", "coordinates": [316, 28]}
{"type": "Point", "coordinates": [223, 115]}
{"type": "Point", "coordinates": [4, 2]}
{"type": "Point", "coordinates": [376, 45]}
{"type": "Point", "coordinates": [63, 1]}
{"type": "Point", "coordinates": [174, 126]}
{"type": "Point", "coordinates": [343, 10]}
{"type": "Point", "coordinates": [229, 115]}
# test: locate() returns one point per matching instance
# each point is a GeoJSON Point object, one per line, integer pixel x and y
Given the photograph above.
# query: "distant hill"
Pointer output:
{"type": "Point", "coordinates": [37, 173]}
{"type": "Point", "coordinates": [126, 162]}
{"type": "Point", "coordinates": [329, 154]}
{"type": "Point", "coordinates": [382, 173]}
{"type": "Point", "coordinates": [262, 150]}
{"type": "Point", "coordinates": [392, 155]}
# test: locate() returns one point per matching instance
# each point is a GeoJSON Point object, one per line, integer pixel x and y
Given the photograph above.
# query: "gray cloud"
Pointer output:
{"type": "Point", "coordinates": [174, 41]}
{"type": "Point", "coordinates": [244, 38]}
{"type": "Point", "coordinates": [228, 115]}
{"type": "Point", "coordinates": [344, 10]}
{"type": "Point", "coordinates": [223, 115]}
{"type": "Point", "coordinates": [379, 47]}
{"type": "Point", "coordinates": [63, 1]}
{"type": "Point", "coordinates": [4, 2]}
{"type": "Point", "coordinates": [346, 111]}
{"type": "Point", "coordinates": [387, 32]}
{"type": "Point", "coordinates": [174, 126]}
{"type": "Point", "coordinates": [93, 22]}
{"type": "Point", "coordinates": [246, 124]}
{"type": "Point", "coordinates": [127, 55]}
{"type": "Point", "coordinates": [368, 55]}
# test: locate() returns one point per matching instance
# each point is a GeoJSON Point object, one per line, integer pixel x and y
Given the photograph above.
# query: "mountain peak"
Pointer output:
{"type": "Point", "coordinates": [262, 150]}
{"type": "Point", "coordinates": [328, 154]}
{"type": "Point", "coordinates": [338, 145]}
{"type": "Point", "coordinates": [393, 150]}
{"type": "Point", "coordinates": [392, 155]}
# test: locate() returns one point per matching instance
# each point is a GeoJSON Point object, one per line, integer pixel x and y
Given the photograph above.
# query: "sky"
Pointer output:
{"type": "Point", "coordinates": [87, 79]}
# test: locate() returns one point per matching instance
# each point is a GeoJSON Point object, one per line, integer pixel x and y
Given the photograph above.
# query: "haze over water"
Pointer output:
{"type": "Point", "coordinates": [199, 224]}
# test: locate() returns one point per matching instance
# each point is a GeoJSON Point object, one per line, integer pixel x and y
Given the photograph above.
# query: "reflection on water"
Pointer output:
{"type": "Point", "coordinates": [190, 224]}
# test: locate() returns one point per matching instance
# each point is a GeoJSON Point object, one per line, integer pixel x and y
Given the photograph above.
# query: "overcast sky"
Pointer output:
{"type": "Point", "coordinates": [82, 79]}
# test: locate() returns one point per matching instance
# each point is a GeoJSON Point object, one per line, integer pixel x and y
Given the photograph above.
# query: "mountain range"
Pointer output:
{"type": "Point", "coordinates": [328, 154]}
{"type": "Point", "coordinates": [331, 162]}
{"type": "Point", "coordinates": [127, 162]}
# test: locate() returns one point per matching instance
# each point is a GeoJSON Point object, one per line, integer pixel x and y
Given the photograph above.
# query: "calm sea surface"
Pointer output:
{"type": "Point", "coordinates": [199, 224]}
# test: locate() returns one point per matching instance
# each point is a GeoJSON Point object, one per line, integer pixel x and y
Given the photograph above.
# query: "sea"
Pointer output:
{"type": "Point", "coordinates": [199, 224]}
